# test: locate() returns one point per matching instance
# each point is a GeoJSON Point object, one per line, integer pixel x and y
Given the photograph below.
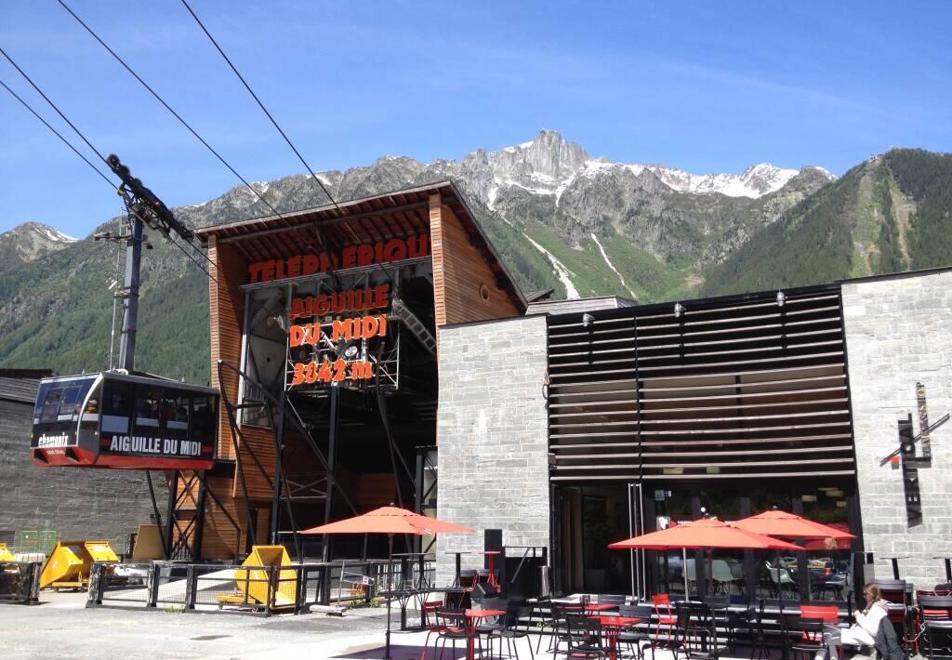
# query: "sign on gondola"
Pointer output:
{"type": "Point", "coordinates": [114, 420]}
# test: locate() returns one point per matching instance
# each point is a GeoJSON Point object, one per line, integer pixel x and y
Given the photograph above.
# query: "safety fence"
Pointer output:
{"type": "Point", "coordinates": [267, 589]}
{"type": "Point", "coordinates": [20, 582]}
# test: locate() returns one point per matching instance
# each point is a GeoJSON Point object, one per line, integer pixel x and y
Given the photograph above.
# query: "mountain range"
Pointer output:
{"type": "Point", "coordinates": [560, 218]}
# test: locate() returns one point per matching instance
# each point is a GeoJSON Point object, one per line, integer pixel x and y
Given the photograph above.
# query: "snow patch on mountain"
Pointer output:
{"type": "Point", "coordinates": [549, 165]}
{"type": "Point", "coordinates": [754, 182]}
{"type": "Point", "coordinates": [612, 266]}
{"type": "Point", "coordinates": [55, 234]}
{"type": "Point", "coordinates": [563, 273]}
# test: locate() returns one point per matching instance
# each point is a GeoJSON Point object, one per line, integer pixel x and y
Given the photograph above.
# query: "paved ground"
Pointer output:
{"type": "Point", "coordinates": [62, 628]}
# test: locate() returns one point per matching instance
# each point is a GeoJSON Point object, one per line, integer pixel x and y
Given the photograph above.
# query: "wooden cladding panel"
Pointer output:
{"type": "Point", "coordinates": [736, 389]}
{"type": "Point", "coordinates": [256, 454]}
{"type": "Point", "coordinates": [226, 311]}
{"type": "Point", "coordinates": [464, 284]}
{"type": "Point", "coordinates": [220, 536]}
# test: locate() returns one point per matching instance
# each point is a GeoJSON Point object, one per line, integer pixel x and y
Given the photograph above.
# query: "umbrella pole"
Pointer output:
{"type": "Point", "coordinates": [780, 574]}
{"type": "Point", "coordinates": [389, 588]}
{"type": "Point", "coordinates": [684, 572]}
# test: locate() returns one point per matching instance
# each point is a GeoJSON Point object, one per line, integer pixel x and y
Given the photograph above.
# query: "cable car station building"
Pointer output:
{"type": "Point", "coordinates": [364, 348]}
{"type": "Point", "coordinates": [324, 333]}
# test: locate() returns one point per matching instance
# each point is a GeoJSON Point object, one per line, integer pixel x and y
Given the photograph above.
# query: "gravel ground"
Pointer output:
{"type": "Point", "coordinates": [61, 627]}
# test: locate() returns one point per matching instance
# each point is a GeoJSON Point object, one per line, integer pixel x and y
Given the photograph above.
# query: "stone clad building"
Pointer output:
{"type": "Point", "coordinates": [764, 399]}
{"type": "Point", "coordinates": [898, 334]}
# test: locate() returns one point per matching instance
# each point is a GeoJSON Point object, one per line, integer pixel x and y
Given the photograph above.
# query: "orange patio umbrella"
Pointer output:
{"type": "Point", "coordinates": [389, 520]}
{"type": "Point", "coordinates": [791, 526]}
{"type": "Point", "coordinates": [705, 534]}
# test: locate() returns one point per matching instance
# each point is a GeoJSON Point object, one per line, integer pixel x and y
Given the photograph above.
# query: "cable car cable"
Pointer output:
{"type": "Point", "coordinates": [52, 105]}
{"type": "Point", "coordinates": [111, 184]}
{"type": "Point", "coordinates": [59, 135]}
{"type": "Point", "coordinates": [260, 104]}
{"type": "Point", "coordinates": [169, 108]}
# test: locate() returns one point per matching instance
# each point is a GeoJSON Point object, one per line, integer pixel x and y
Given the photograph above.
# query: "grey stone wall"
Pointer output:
{"type": "Point", "coordinates": [492, 433]}
{"type": "Point", "coordinates": [77, 503]}
{"type": "Point", "coordinates": [898, 332]}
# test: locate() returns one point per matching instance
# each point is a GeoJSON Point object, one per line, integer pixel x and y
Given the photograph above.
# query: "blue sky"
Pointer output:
{"type": "Point", "coordinates": [705, 86]}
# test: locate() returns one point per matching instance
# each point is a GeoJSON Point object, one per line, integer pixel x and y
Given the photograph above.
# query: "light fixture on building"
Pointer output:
{"type": "Point", "coordinates": [781, 298]}
{"type": "Point", "coordinates": [841, 504]}
{"type": "Point", "coordinates": [351, 352]}
{"type": "Point", "coordinates": [835, 493]}
{"type": "Point", "coordinates": [808, 498]}
{"type": "Point", "coordinates": [587, 320]}
{"type": "Point", "coordinates": [678, 310]}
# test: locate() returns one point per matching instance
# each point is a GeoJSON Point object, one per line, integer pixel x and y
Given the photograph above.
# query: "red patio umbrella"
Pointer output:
{"type": "Point", "coordinates": [389, 520]}
{"type": "Point", "coordinates": [791, 526]}
{"type": "Point", "coordinates": [841, 543]}
{"type": "Point", "coordinates": [705, 534]}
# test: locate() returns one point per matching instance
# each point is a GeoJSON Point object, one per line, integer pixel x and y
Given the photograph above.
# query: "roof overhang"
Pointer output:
{"type": "Point", "coordinates": [397, 214]}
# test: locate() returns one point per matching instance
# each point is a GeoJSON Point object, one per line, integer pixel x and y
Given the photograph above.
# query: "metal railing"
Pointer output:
{"type": "Point", "coordinates": [20, 582]}
{"type": "Point", "coordinates": [267, 590]}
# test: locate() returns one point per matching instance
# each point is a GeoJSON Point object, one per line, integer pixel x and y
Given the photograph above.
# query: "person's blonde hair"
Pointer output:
{"type": "Point", "coordinates": [873, 591]}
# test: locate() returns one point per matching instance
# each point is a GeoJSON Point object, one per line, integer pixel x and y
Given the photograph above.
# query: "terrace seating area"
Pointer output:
{"type": "Point", "coordinates": [669, 626]}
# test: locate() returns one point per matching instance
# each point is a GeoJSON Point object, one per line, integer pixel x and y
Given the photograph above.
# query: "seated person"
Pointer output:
{"type": "Point", "coordinates": [866, 628]}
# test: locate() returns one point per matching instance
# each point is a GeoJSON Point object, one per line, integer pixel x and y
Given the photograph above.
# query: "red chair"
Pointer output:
{"type": "Point", "coordinates": [931, 607]}
{"type": "Point", "coordinates": [829, 614]}
{"type": "Point", "coordinates": [826, 614]}
{"type": "Point", "coordinates": [899, 610]}
{"type": "Point", "coordinates": [428, 606]}
{"type": "Point", "coordinates": [665, 614]}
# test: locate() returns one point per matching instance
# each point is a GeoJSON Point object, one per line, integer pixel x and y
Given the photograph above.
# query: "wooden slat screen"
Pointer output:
{"type": "Point", "coordinates": [730, 388]}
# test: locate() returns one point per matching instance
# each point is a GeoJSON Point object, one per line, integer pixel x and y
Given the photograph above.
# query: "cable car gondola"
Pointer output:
{"type": "Point", "coordinates": [112, 419]}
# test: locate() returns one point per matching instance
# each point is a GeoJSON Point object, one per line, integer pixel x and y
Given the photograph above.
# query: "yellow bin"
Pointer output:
{"type": "Point", "coordinates": [5, 554]}
{"type": "Point", "coordinates": [69, 564]}
{"type": "Point", "coordinates": [251, 584]}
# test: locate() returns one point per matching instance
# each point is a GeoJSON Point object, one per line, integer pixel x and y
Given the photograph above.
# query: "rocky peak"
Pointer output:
{"type": "Point", "coordinates": [30, 241]}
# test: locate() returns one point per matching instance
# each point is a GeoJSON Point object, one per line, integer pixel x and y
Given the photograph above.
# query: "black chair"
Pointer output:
{"type": "Point", "coordinates": [900, 608]}
{"type": "Point", "coordinates": [804, 636]}
{"type": "Point", "coordinates": [699, 633]}
{"type": "Point", "coordinates": [938, 640]}
{"type": "Point", "coordinates": [492, 627]}
{"type": "Point", "coordinates": [556, 623]}
{"type": "Point", "coordinates": [758, 636]}
{"type": "Point", "coordinates": [636, 640]}
{"type": "Point", "coordinates": [511, 632]}
{"type": "Point", "coordinates": [730, 620]}
{"type": "Point", "coordinates": [585, 639]}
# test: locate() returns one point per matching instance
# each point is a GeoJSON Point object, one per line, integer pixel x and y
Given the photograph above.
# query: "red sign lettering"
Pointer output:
{"type": "Point", "coordinates": [351, 256]}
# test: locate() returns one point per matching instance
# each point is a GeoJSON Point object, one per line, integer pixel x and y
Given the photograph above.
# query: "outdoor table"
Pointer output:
{"type": "Point", "coordinates": [458, 564]}
{"type": "Point", "coordinates": [612, 625]}
{"type": "Point", "coordinates": [470, 618]}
